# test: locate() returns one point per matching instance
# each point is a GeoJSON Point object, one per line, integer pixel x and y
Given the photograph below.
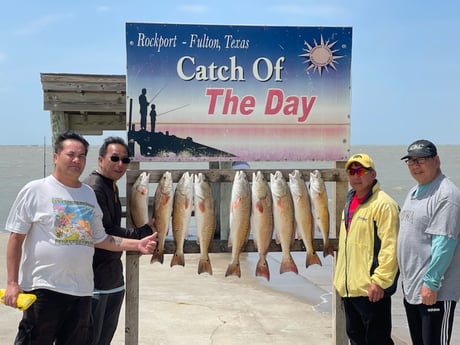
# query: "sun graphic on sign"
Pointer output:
{"type": "Point", "coordinates": [320, 56]}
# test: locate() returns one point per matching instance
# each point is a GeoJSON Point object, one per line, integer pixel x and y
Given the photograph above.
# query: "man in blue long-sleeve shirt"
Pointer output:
{"type": "Point", "coordinates": [428, 251]}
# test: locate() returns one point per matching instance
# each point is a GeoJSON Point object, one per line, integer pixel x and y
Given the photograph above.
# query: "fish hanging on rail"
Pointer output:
{"type": "Point", "coordinates": [139, 199]}
{"type": "Point", "coordinates": [181, 215]}
{"type": "Point", "coordinates": [305, 226]}
{"type": "Point", "coordinates": [261, 221]}
{"type": "Point", "coordinates": [283, 217]}
{"type": "Point", "coordinates": [162, 211]}
{"type": "Point", "coordinates": [320, 209]}
{"type": "Point", "coordinates": [240, 214]}
{"type": "Point", "coordinates": [205, 220]}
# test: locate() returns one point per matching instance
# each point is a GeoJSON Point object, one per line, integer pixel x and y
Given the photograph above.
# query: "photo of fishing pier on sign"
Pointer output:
{"type": "Point", "coordinates": [154, 143]}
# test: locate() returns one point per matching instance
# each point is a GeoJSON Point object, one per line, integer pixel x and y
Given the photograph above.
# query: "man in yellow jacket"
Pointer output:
{"type": "Point", "coordinates": [367, 269]}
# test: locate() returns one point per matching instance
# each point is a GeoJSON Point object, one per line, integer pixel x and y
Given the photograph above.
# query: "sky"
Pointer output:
{"type": "Point", "coordinates": [405, 57]}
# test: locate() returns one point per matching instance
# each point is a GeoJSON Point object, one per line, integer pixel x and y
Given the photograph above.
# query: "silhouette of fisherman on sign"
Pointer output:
{"type": "Point", "coordinates": [143, 105]}
{"type": "Point", "coordinates": [153, 118]}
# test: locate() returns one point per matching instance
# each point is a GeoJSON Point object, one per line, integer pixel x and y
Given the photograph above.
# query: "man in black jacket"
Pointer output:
{"type": "Point", "coordinates": [109, 289]}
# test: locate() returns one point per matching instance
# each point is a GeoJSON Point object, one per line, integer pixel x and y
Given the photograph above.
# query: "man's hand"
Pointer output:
{"type": "Point", "coordinates": [11, 294]}
{"type": "Point", "coordinates": [148, 244]}
{"type": "Point", "coordinates": [375, 293]}
{"type": "Point", "coordinates": [429, 296]}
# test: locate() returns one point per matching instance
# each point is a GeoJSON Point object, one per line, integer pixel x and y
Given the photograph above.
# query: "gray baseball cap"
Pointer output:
{"type": "Point", "coordinates": [421, 148]}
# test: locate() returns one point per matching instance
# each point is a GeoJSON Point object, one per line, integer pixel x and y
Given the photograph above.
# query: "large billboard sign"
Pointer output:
{"type": "Point", "coordinates": [225, 92]}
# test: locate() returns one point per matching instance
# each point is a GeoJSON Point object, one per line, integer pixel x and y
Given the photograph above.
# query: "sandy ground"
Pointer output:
{"type": "Point", "coordinates": [178, 306]}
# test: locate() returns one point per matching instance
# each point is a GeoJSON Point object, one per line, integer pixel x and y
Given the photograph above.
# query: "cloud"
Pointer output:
{"type": "Point", "coordinates": [38, 25]}
{"type": "Point", "coordinates": [315, 10]}
{"type": "Point", "coordinates": [194, 8]}
{"type": "Point", "coordinates": [103, 8]}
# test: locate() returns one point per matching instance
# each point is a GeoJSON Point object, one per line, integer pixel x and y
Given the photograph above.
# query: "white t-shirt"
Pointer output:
{"type": "Point", "coordinates": [62, 224]}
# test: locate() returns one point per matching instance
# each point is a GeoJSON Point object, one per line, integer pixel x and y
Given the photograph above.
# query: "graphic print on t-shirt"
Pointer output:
{"type": "Point", "coordinates": [73, 221]}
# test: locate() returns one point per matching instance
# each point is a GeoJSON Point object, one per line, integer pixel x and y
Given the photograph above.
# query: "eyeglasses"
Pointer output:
{"type": "Point", "coordinates": [413, 161]}
{"type": "Point", "coordinates": [358, 171]}
{"type": "Point", "coordinates": [124, 160]}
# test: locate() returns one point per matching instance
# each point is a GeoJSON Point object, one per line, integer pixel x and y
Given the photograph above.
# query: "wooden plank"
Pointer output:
{"type": "Point", "coordinates": [75, 101]}
{"type": "Point", "coordinates": [83, 82]}
{"type": "Point", "coordinates": [221, 246]}
{"type": "Point", "coordinates": [84, 123]}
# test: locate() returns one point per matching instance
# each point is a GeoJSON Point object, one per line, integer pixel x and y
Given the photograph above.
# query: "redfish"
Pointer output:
{"type": "Point", "coordinates": [205, 220]}
{"type": "Point", "coordinates": [240, 218]}
{"type": "Point", "coordinates": [320, 209]}
{"type": "Point", "coordinates": [138, 200]}
{"type": "Point", "coordinates": [181, 215]}
{"type": "Point", "coordinates": [283, 218]}
{"type": "Point", "coordinates": [305, 225]}
{"type": "Point", "coordinates": [162, 211]}
{"type": "Point", "coordinates": [261, 221]}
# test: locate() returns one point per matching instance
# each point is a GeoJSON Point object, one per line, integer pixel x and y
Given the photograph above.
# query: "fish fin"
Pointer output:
{"type": "Point", "coordinates": [313, 258]}
{"type": "Point", "coordinates": [178, 259]}
{"type": "Point", "coordinates": [204, 266]}
{"type": "Point", "coordinates": [202, 206]}
{"type": "Point", "coordinates": [236, 203]}
{"type": "Point", "coordinates": [262, 269]}
{"type": "Point", "coordinates": [165, 199]}
{"type": "Point", "coordinates": [260, 206]}
{"type": "Point", "coordinates": [288, 265]}
{"type": "Point", "coordinates": [233, 270]}
{"type": "Point", "coordinates": [157, 256]}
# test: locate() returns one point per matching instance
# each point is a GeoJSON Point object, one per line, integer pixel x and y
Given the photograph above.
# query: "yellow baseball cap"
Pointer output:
{"type": "Point", "coordinates": [361, 158]}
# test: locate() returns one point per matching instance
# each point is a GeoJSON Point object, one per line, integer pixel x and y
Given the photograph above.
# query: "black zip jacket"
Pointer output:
{"type": "Point", "coordinates": [107, 265]}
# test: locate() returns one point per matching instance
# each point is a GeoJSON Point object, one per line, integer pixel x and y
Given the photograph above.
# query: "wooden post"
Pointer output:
{"type": "Point", "coordinates": [132, 280]}
{"type": "Point", "coordinates": [338, 314]}
{"type": "Point", "coordinates": [59, 124]}
{"type": "Point", "coordinates": [224, 204]}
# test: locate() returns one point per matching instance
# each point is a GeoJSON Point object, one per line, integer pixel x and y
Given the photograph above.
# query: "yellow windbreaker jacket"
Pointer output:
{"type": "Point", "coordinates": [367, 252]}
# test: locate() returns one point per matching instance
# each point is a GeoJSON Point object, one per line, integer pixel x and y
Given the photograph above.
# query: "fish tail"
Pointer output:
{"type": "Point", "coordinates": [204, 266]}
{"type": "Point", "coordinates": [313, 258]}
{"type": "Point", "coordinates": [157, 256]}
{"type": "Point", "coordinates": [233, 270]}
{"type": "Point", "coordinates": [328, 249]}
{"type": "Point", "coordinates": [262, 269]}
{"type": "Point", "coordinates": [288, 265]}
{"type": "Point", "coordinates": [178, 259]}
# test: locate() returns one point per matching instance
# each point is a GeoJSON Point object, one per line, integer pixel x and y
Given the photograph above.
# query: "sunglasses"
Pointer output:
{"type": "Point", "coordinates": [358, 171]}
{"type": "Point", "coordinates": [115, 159]}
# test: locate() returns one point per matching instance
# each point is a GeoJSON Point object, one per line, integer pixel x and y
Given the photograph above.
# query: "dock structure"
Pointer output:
{"type": "Point", "coordinates": [91, 104]}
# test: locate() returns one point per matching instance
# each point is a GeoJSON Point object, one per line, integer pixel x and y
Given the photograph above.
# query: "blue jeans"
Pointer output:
{"type": "Point", "coordinates": [55, 317]}
{"type": "Point", "coordinates": [105, 312]}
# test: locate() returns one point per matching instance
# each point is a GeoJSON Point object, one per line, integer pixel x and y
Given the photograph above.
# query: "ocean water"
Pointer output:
{"type": "Point", "coordinates": [20, 164]}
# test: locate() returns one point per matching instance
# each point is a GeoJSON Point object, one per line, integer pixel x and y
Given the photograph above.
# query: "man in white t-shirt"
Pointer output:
{"type": "Point", "coordinates": [54, 225]}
